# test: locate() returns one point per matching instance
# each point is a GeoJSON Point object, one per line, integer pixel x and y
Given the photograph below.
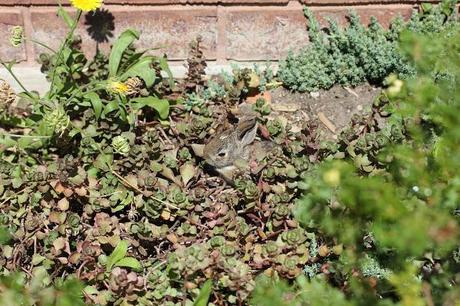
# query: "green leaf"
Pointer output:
{"type": "Point", "coordinates": [205, 292]}
{"type": "Point", "coordinates": [96, 102]}
{"type": "Point", "coordinates": [26, 97]}
{"type": "Point", "coordinates": [126, 38]}
{"type": "Point", "coordinates": [64, 15]}
{"type": "Point", "coordinates": [129, 262]}
{"type": "Point", "coordinates": [118, 253]}
{"type": "Point", "coordinates": [165, 67]}
{"type": "Point", "coordinates": [5, 235]}
{"type": "Point", "coordinates": [141, 69]}
{"type": "Point", "coordinates": [103, 161]}
{"type": "Point", "coordinates": [110, 107]}
{"type": "Point", "coordinates": [91, 290]}
{"type": "Point", "coordinates": [37, 259]}
{"type": "Point", "coordinates": [160, 105]}
{"type": "Point", "coordinates": [7, 142]}
{"type": "Point", "coordinates": [426, 7]}
{"type": "Point", "coordinates": [92, 172]}
{"type": "Point", "coordinates": [131, 60]}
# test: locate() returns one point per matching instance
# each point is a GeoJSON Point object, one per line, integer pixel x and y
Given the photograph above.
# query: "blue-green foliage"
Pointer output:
{"type": "Point", "coordinates": [357, 54]}
{"type": "Point", "coordinates": [370, 267]}
{"type": "Point", "coordinates": [214, 91]}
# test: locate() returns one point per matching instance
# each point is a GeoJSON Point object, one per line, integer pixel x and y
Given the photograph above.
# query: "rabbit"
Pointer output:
{"type": "Point", "coordinates": [226, 149]}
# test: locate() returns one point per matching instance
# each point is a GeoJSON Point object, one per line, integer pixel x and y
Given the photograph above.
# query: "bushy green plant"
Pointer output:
{"type": "Point", "coordinates": [357, 54]}
{"type": "Point", "coordinates": [400, 225]}
{"type": "Point", "coordinates": [120, 87]}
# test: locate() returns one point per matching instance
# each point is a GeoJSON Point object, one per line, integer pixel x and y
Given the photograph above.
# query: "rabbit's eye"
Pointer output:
{"type": "Point", "coordinates": [221, 154]}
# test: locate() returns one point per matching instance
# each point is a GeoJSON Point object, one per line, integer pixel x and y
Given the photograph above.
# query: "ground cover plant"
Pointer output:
{"type": "Point", "coordinates": [356, 54]}
{"type": "Point", "coordinates": [105, 199]}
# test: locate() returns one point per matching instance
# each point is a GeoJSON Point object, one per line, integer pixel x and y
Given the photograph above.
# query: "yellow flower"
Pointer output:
{"type": "Point", "coordinates": [86, 5]}
{"type": "Point", "coordinates": [117, 87]}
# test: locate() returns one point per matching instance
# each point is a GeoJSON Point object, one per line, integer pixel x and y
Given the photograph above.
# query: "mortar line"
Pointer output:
{"type": "Point", "coordinates": [221, 48]}
{"type": "Point", "coordinates": [28, 31]}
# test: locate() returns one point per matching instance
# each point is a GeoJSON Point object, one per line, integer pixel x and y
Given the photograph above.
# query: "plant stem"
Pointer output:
{"type": "Point", "coordinates": [10, 71]}
{"type": "Point", "coordinates": [41, 45]}
{"type": "Point", "coordinates": [24, 136]}
{"type": "Point", "coordinates": [61, 49]}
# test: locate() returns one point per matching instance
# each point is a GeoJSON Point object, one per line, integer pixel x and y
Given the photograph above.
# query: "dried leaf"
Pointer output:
{"type": "Point", "coordinates": [198, 149]}
{"type": "Point", "coordinates": [187, 172]}
{"type": "Point", "coordinates": [63, 204]}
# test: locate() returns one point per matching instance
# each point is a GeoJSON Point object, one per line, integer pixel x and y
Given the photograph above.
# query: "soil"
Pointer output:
{"type": "Point", "coordinates": [333, 108]}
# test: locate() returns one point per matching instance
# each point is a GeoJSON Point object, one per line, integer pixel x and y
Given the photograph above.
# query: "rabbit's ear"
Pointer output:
{"type": "Point", "coordinates": [247, 131]}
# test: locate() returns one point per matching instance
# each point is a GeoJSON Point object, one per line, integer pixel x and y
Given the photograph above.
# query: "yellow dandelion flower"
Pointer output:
{"type": "Point", "coordinates": [117, 87]}
{"type": "Point", "coordinates": [86, 5]}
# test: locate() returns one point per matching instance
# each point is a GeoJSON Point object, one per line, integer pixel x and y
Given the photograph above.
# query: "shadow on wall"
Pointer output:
{"type": "Point", "coordinates": [101, 24]}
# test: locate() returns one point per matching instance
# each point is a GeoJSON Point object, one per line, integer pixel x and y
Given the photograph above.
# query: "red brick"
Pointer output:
{"type": "Point", "coordinates": [8, 19]}
{"type": "Point", "coordinates": [146, 2]}
{"type": "Point", "coordinates": [355, 2]}
{"type": "Point", "coordinates": [158, 2]}
{"type": "Point", "coordinates": [264, 34]}
{"type": "Point", "coordinates": [173, 28]}
{"type": "Point", "coordinates": [269, 34]}
{"type": "Point", "coordinates": [241, 2]}
{"type": "Point", "coordinates": [14, 2]}
{"type": "Point", "coordinates": [384, 13]}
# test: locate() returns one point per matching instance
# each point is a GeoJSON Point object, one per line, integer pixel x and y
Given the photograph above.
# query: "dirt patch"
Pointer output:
{"type": "Point", "coordinates": [334, 108]}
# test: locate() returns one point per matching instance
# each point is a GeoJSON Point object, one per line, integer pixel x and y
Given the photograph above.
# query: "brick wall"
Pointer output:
{"type": "Point", "coordinates": [239, 30]}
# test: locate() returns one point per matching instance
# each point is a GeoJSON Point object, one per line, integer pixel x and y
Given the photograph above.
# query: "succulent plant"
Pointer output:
{"type": "Point", "coordinates": [216, 241]}
{"type": "Point", "coordinates": [275, 127]}
{"type": "Point", "coordinates": [262, 107]}
{"type": "Point", "coordinates": [125, 284]}
{"type": "Point", "coordinates": [121, 145]}
{"type": "Point", "coordinates": [293, 238]}
{"type": "Point", "coordinates": [153, 208]}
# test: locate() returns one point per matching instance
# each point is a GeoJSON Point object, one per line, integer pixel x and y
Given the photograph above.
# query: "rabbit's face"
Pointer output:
{"type": "Point", "coordinates": [224, 149]}
{"type": "Point", "coordinates": [220, 150]}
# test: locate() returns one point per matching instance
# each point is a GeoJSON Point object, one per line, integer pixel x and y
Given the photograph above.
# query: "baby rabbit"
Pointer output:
{"type": "Point", "coordinates": [228, 147]}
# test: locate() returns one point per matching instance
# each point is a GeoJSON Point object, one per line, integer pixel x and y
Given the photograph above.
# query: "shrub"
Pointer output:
{"type": "Point", "coordinates": [399, 226]}
{"type": "Point", "coordinates": [356, 54]}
